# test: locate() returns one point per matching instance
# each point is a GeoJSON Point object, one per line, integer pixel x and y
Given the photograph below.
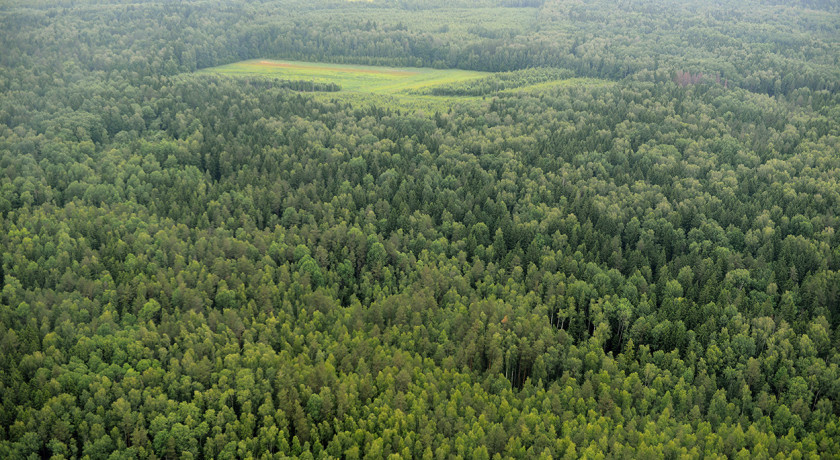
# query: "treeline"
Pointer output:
{"type": "Point", "coordinates": [268, 83]}
{"type": "Point", "coordinates": [501, 81]}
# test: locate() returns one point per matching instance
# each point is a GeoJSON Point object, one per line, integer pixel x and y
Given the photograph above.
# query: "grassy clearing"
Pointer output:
{"type": "Point", "coordinates": [351, 78]}
{"type": "Point", "coordinates": [404, 86]}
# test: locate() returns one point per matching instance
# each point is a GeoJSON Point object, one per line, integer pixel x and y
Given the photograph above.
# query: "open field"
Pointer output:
{"type": "Point", "coordinates": [351, 78]}
{"type": "Point", "coordinates": [410, 86]}
{"type": "Point", "coordinates": [351, 70]}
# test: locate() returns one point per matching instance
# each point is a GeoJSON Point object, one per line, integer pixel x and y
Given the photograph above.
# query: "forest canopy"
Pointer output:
{"type": "Point", "coordinates": [621, 241]}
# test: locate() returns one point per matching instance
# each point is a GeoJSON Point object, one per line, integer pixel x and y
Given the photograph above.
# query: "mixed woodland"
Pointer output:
{"type": "Point", "coordinates": [197, 266]}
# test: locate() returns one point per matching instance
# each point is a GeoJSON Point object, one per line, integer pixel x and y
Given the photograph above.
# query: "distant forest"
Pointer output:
{"type": "Point", "coordinates": [201, 266]}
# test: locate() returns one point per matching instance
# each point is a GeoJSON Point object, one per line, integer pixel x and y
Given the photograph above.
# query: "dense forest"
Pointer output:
{"type": "Point", "coordinates": [200, 266]}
